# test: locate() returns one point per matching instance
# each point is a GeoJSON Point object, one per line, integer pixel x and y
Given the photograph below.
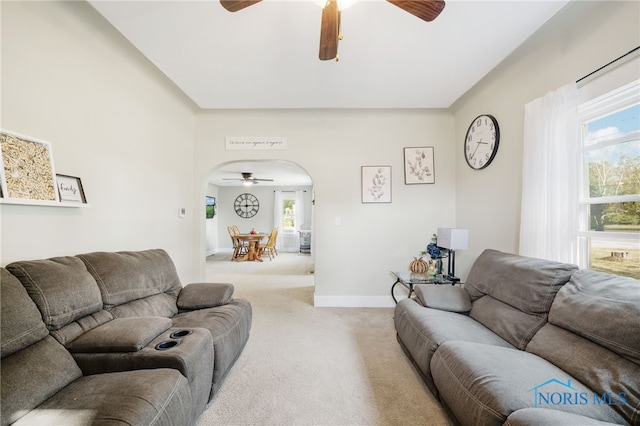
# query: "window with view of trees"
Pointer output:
{"type": "Point", "coordinates": [610, 195]}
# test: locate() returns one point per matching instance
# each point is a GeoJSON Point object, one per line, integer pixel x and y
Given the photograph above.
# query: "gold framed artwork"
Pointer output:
{"type": "Point", "coordinates": [27, 170]}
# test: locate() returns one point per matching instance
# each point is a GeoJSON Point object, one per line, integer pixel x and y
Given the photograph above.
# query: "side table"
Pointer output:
{"type": "Point", "coordinates": [408, 279]}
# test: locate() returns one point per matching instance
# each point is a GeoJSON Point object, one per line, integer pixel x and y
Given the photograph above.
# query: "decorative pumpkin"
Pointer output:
{"type": "Point", "coordinates": [418, 265]}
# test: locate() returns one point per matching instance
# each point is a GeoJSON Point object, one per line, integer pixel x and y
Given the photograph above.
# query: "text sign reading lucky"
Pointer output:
{"type": "Point", "coordinates": [255, 143]}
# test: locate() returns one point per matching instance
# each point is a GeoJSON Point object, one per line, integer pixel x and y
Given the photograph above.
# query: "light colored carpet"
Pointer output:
{"type": "Point", "coordinates": [313, 366]}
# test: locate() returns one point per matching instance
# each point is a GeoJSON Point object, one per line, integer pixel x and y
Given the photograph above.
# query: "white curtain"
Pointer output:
{"type": "Point", "coordinates": [288, 240]}
{"type": "Point", "coordinates": [550, 181]}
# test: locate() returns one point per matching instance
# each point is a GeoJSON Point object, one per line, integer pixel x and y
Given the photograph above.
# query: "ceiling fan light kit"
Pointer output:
{"type": "Point", "coordinates": [427, 10]}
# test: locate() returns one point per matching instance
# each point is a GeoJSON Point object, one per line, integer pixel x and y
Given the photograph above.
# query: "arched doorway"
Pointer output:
{"type": "Point", "coordinates": [267, 180]}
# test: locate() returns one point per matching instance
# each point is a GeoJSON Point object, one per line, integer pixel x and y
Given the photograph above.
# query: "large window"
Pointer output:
{"type": "Point", "coordinates": [610, 195]}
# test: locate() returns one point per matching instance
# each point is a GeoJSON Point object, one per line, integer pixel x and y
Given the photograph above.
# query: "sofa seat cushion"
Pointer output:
{"type": "Point", "coordinates": [521, 287]}
{"type": "Point", "coordinates": [204, 295]}
{"type": "Point", "coordinates": [120, 335]}
{"type": "Point", "coordinates": [484, 384]}
{"type": "Point", "coordinates": [422, 330]}
{"type": "Point", "coordinates": [144, 397]}
{"type": "Point", "coordinates": [229, 326]}
{"type": "Point", "coordinates": [61, 287]}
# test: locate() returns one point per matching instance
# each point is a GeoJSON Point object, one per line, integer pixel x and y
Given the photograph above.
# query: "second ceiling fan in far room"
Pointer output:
{"type": "Point", "coordinates": [427, 10]}
{"type": "Point", "coordinates": [247, 179]}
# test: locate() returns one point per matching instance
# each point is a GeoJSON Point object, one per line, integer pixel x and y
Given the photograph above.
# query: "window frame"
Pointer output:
{"type": "Point", "coordinates": [607, 104]}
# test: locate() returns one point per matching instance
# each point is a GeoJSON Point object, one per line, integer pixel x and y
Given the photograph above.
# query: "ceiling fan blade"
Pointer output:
{"type": "Point", "coordinates": [236, 5]}
{"type": "Point", "coordinates": [427, 10]}
{"type": "Point", "coordinates": [262, 180]}
{"type": "Point", "coordinates": [329, 31]}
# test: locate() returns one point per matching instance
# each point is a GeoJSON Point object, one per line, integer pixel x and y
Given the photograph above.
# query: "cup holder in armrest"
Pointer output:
{"type": "Point", "coordinates": [168, 344]}
{"type": "Point", "coordinates": [180, 333]}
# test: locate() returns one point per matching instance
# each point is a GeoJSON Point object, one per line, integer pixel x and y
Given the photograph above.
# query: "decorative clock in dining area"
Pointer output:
{"type": "Point", "coordinates": [246, 205]}
{"type": "Point", "coordinates": [481, 141]}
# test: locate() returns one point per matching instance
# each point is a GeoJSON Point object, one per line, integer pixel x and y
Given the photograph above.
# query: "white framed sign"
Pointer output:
{"type": "Point", "coordinates": [255, 143]}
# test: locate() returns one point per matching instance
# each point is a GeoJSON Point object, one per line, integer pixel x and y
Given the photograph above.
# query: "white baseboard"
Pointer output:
{"type": "Point", "coordinates": [353, 301]}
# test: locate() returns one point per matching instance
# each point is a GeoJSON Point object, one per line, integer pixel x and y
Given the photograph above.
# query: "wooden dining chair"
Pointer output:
{"type": "Point", "coordinates": [270, 246]}
{"type": "Point", "coordinates": [239, 249]}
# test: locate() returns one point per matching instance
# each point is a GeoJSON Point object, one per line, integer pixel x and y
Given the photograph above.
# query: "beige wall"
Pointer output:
{"type": "Point", "coordinates": [580, 39]}
{"type": "Point", "coordinates": [112, 119]}
{"type": "Point", "coordinates": [143, 151]}
{"type": "Point", "coordinates": [353, 259]}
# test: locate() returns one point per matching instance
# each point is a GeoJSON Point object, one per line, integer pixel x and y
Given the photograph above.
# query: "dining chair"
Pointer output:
{"type": "Point", "coordinates": [238, 247]}
{"type": "Point", "coordinates": [270, 247]}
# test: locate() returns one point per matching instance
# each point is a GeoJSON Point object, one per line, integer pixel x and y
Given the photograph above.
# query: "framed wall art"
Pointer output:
{"type": "Point", "coordinates": [70, 189]}
{"type": "Point", "coordinates": [27, 168]}
{"type": "Point", "coordinates": [419, 165]}
{"type": "Point", "coordinates": [376, 184]}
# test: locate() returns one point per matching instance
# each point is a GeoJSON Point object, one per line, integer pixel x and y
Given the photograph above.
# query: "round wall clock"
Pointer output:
{"type": "Point", "coordinates": [481, 141]}
{"type": "Point", "coordinates": [246, 205]}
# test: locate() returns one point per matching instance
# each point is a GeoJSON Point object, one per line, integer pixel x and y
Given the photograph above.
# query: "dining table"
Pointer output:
{"type": "Point", "coordinates": [253, 253]}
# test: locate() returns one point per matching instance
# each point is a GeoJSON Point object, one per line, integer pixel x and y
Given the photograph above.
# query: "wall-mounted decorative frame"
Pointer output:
{"type": "Point", "coordinates": [210, 207]}
{"type": "Point", "coordinates": [419, 165]}
{"type": "Point", "coordinates": [27, 170]}
{"type": "Point", "coordinates": [70, 189]}
{"type": "Point", "coordinates": [376, 184]}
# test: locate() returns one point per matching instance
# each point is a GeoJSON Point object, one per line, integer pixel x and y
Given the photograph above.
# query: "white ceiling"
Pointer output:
{"type": "Point", "coordinates": [266, 56]}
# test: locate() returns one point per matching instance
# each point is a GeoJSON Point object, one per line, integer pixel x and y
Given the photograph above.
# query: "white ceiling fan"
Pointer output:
{"type": "Point", "coordinates": [247, 179]}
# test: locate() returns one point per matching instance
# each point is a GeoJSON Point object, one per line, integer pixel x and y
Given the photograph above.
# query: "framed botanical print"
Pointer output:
{"type": "Point", "coordinates": [419, 165]}
{"type": "Point", "coordinates": [376, 184]}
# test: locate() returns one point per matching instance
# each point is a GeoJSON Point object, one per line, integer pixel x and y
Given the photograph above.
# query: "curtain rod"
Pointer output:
{"type": "Point", "coordinates": [606, 65]}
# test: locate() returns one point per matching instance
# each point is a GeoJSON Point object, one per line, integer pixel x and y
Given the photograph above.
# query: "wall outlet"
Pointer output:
{"type": "Point", "coordinates": [182, 212]}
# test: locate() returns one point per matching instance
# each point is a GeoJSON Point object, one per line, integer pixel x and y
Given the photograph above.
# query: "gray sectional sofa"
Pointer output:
{"type": "Point", "coordinates": [114, 338]}
{"type": "Point", "coordinates": [528, 342]}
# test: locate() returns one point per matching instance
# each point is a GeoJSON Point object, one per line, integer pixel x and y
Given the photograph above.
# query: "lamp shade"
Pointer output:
{"type": "Point", "coordinates": [453, 238]}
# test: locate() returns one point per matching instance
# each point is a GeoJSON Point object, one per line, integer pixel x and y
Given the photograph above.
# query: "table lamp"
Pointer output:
{"type": "Point", "coordinates": [453, 239]}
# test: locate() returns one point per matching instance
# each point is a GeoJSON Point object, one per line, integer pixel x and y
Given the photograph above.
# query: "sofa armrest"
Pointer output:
{"type": "Point", "coordinates": [444, 297]}
{"type": "Point", "coordinates": [204, 295]}
{"type": "Point", "coordinates": [120, 335]}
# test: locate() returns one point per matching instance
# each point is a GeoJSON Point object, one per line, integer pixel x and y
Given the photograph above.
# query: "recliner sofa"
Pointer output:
{"type": "Point", "coordinates": [528, 342]}
{"type": "Point", "coordinates": [126, 313]}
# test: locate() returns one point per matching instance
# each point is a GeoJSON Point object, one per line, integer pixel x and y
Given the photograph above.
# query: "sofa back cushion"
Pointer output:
{"type": "Point", "coordinates": [34, 366]}
{"type": "Point", "coordinates": [512, 294]}
{"type": "Point", "coordinates": [135, 283]}
{"type": "Point", "coordinates": [21, 323]}
{"type": "Point", "coordinates": [61, 287]}
{"type": "Point", "coordinates": [594, 335]}
{"type": "Point", "coordinates": [603, 308]}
